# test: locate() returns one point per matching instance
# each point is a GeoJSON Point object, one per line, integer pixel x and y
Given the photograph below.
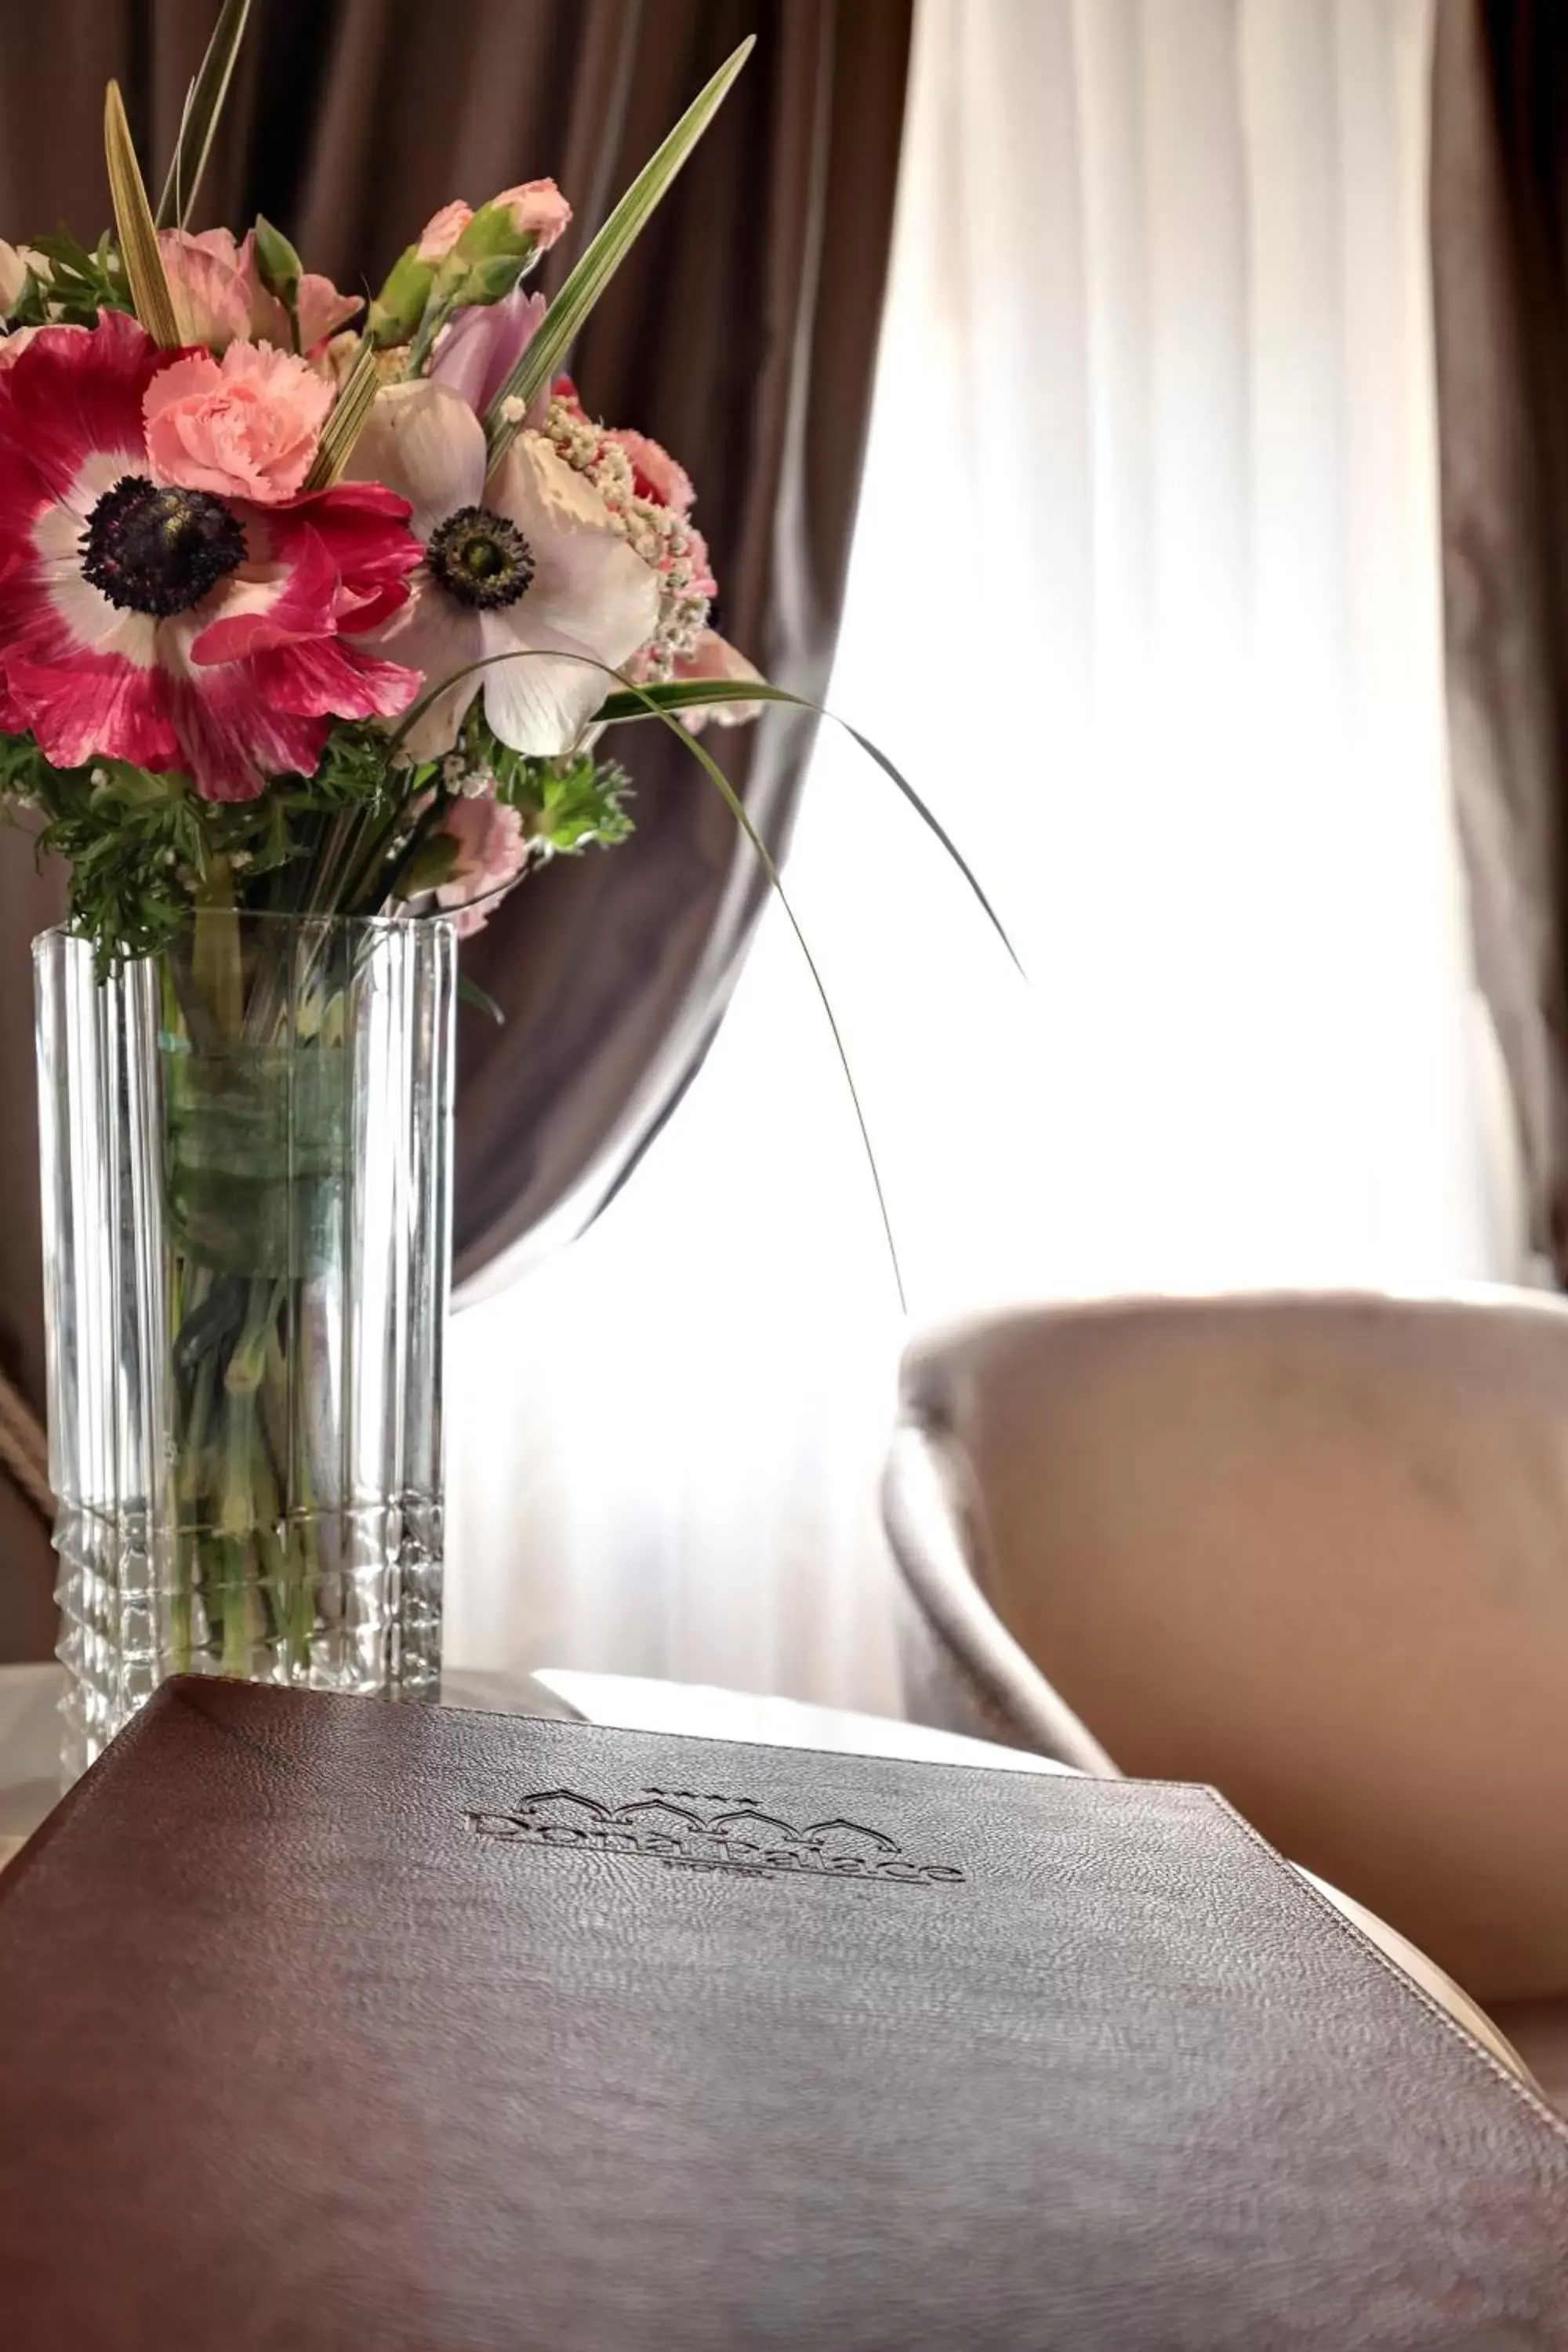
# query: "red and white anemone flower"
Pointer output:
{"type": "Point", "coordinates": [166, 622]}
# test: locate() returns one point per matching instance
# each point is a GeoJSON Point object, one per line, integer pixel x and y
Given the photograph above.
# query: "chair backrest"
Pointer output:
{"type": "Point", "coordinates": [1313, 1550]}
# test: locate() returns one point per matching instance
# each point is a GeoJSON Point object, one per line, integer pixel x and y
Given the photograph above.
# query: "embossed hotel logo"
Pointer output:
{"type": "Point", "coordinates": [687, 1831]}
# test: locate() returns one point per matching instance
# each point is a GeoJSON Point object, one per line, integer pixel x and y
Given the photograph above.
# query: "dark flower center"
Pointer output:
{"type": "Point", "coordinates": [159, 551]}
{"type": "Point", "coordinates": [480, 558]}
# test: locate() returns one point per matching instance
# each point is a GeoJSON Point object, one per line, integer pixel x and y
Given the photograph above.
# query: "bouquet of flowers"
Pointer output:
{"type": "Point", "coordinates": [314, 609]}
{"type": "Point", "coordinates": [309, 605]}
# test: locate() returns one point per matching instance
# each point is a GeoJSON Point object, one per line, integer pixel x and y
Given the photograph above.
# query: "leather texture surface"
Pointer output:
{"type": "Point", "coordinates": [323, 2023]}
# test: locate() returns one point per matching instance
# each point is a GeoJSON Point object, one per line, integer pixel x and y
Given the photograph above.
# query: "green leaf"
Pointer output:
{"type": "Point", "coordinates": [346, 422]}
{"type": "Point", "coordinates": [67, 253]}
{"type": "Point", "coordinates": [763, 855]}
{"type": "Point", "coordinates": [470, 992]}
{"type": "Point", "coordinates": [431, 866]}
{"type": "Point", "coordinates": [582, 804]}
{"type": "Point", "coordinates": [134, 219]}
{"type": "Point", "coordinates": [737, 810]}
{"type": "Point", "coordinates": [491, 234]}
{"type": "Point", "coordinates": [700, 694]}
{"type": "Point", "coordinates": [488, 282]}
{"type": "Point", "coordinates": [278, 264]}
{"type": "Point", "coordinates": [204, 104]}
{"type": "Point", "coordinates": [78, 284]}
{"type": "Point", "coordinates": [609, 250]}
{"type": "Point", "coordinates": [397, 309]}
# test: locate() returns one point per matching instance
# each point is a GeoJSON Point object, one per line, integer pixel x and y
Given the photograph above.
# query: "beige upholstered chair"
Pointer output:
{"type": "Point", "coordinates": [1313, 1550]}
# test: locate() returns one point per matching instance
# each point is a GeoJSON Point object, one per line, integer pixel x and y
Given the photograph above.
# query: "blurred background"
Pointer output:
{"type": "Point", "coordinates": [1105, 405]}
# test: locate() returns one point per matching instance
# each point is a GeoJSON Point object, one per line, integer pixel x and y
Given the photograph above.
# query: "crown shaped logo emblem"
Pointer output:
{"type": "Point", "coordinates": [685, 1831]}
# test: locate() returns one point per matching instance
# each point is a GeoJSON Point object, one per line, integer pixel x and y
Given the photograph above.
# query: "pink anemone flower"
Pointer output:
{"type": "Point", "coordinates": [151, 621]}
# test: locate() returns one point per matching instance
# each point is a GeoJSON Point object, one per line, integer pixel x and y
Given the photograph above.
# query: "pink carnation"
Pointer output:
{"type": "Point", "coordinates": [537, 209]}
{"type": "Point", "coordinates": [655, 474]}
{"type": "Point", "coordinates": [492, 853]}
{"type": "Point", "coordinates": [442, 230]}
{"type": "Point", "coordinates": [702, 581]}
{"type": "Point", "coordinates": [246, 426]}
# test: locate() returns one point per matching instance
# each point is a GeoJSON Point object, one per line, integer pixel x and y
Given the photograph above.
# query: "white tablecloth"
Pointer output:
{"type": "Point", "coordinates": [29, 1751]}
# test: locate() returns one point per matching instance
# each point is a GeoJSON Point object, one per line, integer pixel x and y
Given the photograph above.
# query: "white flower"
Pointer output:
{"type": "Point", "coordinates": [526, 561]}
{"type": "Point", "coordinates": [13, 275]}
{"type": "Point", "coordinates": [15, 260]}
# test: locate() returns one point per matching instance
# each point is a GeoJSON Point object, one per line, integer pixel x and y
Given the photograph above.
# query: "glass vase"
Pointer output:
{"type": "Point", "coordinates": [246, 1186]}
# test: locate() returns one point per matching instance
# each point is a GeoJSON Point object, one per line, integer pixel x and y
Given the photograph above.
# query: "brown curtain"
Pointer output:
{"type": "Point", "coordinates": [741, 334]}
{"type": "Point", "coordinates": [1499, 250]}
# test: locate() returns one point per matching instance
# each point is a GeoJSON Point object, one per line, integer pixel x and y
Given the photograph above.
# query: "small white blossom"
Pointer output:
{"type": "Point", "coordinates": [659, 534]}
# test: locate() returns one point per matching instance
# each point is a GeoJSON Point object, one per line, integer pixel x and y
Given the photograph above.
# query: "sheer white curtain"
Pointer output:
{"type": "Point", "coordinates": [1145, 601]}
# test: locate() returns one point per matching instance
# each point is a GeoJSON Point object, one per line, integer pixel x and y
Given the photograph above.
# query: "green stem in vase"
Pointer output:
{"type": "Point", "coordinates": [215, 958]}
{"type": "Point", "coordinates": [256, 1090]}
{"type": "Point", "coordinates": [287, 1438]}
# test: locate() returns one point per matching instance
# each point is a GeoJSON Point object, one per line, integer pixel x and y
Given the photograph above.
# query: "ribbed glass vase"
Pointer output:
{"type": "Point", "coordinates": [246, 1186]}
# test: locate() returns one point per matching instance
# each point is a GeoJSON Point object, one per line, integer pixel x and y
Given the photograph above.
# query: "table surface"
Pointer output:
{"type": "Point", "coordinates": [29, 1760]}
{"type": "Point", "coordinates": [29, 1727]}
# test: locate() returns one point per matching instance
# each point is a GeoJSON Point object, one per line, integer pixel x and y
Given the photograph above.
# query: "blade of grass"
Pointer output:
{"type": "Point", "coordinates": [760, 850]}
{"type": "Point", "coordinates": [470, 992]}
{"type": "Point", "coordinates": [199, 120]}
{"type": "Point", "coordinates": [346, 422]}
{"type": "Point", "coordinates": [594, 270]}
{"type": "Point", "coordinates": [701, 693]}
{"type": "Point", "coordinates": [133, 223]}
